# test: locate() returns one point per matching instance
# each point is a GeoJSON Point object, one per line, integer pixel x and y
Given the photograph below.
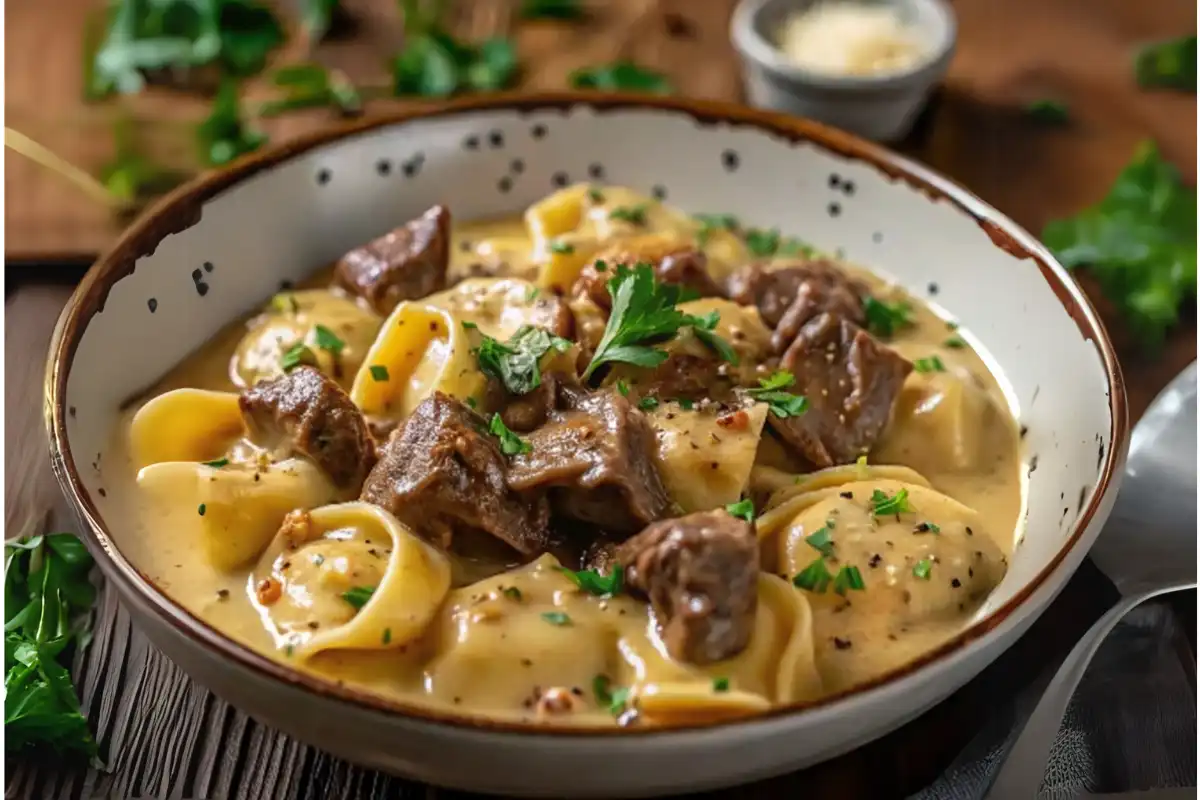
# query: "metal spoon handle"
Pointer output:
{"type": "Point", "coordinates": [1020, 777]}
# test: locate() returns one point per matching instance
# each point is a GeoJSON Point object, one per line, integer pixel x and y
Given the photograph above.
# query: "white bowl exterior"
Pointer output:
{"type": "Point", "coordinates": [282, 223]}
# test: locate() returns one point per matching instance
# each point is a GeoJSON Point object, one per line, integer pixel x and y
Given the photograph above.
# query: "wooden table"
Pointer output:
{"type": "Point", "coordinates": [166, 735]}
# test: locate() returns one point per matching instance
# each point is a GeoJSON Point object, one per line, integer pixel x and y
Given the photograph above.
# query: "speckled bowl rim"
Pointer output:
{"type": "Point", "coordinates": [753, 47]}
{"type": "Point", "coordinates": [182, 209]}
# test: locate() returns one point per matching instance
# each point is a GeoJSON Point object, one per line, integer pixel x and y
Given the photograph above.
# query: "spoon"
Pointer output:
{"type": "Point", "coordinates": [1147, 549]}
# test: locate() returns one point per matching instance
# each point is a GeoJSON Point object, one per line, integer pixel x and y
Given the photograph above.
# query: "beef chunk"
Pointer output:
{"type": "Point", "coordinates": [600, 555]}
{"type": "Point", "coordinates": [551, 312]}
{"type": "Point", "coordinates": [851, 382]}
{"type": "Point", "coordinates": [598, 460]}
{"type": "Point", "coordinates": [686, 376]}
{"type": "Point", "coordinates": [525, 412]}
{"type": "Point", "coordinates": [700, 573]}
{"type": "Point", "coordinates": [682, 266]}
{"type": "Point", "coordinates": [306, 413]}
{"type": "Point", "coordinates": [774, 291]}
{"type": "Point", "coordinates": [406, 264]}
{"type": "Point", "coordinates": [442, 472]}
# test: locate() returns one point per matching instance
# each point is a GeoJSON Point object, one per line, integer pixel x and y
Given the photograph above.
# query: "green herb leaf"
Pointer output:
{"type": "Point", "coordinates": [1170, 64]}
{"type": "Point", "coordinates": [510, 443]}
{"type": "Point", "coordinates": [815, 577]}
{"type": "Point", "coordinates": [930, 364]}
{"type": "Point", "coordinates": [220, 462]}
{"type": "Point", "coordinates": [552, 9]}
{"type": "Point", "coordinates": [615, 699]}
{"type": "Point", "coordinates": [298, 354]}
{"type": "Point", "coordinates": [763, 243]}
{"type": "Point", "coordinates": [494, 66]}
{"type": "Point", "coordinates": [884, 506]}
{"type": "Point", "coordinates": [201, 509]}
{"type": "Point", "coordinates": [634, 215]}
{"type": "Point", "coordinates": [927, 527]}
{"type": "Point", "coordinates": [562, 248]}
{"type": "Point", "coordinates": [648, 403]}
{"type": "Point", "coordinates": [1050, 112]}
{"type": "Point", "coordinates": [312, 86]}
{"type": "Point", "coordinates": [709, 223]}
{"type": "Point", "coordinates": [379, 373]}
{"type": "Point", "coordinates": [517, 363]}
{"type": "Point", "coordinates": [720, 684]}
{"type": "Point", "coordinates": [285, 303]}
{"type": "Point", "coordinates": [743, 509]}
{"type": "Point", "coordinates": [886, 319]}
{"type": "Point", "coordinates": [512, 593]}
{"type": "Point", "coordinates": [848, 578]}
{"type": "Point", "coordinates": [955, 343]}
{"type": "Point", "coordinates": [781, 404]}
{"type": "Point", "coordinates": [224, 135]}
{"type": "Point", "coordinates": [358, 596]}
{"type": "Point", "coordinates": [704, 329]}
{"type": "Point", "coordinates": [593, 582]}
{"type": "Point", "coordinates": [622, 76]}
{"type": "Point", "coordinates": [643, 314]}
{"type": "Point", "coordinates": [922, 569]}
{"type": "Point", "coordinates": [387, 636]}
{"type": "Point", "coordinates": [820, 541]}
{"type": "Point", "coordinates": [556, 618]}
{"type": "Point", "coordinates": [1139, 243]}
{"type": "Point", "coordinates": [779, 379]}
{"type": "Point", "coordinates": [434, 64]}
{"type": "Point", "coordinates": [328, 341]}
{"type": "Point", "coordinates": [317, 16]}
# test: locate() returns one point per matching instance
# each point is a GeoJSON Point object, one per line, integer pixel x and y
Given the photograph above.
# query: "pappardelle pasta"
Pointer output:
{"type": "Point", "coordinates": [609, 464]}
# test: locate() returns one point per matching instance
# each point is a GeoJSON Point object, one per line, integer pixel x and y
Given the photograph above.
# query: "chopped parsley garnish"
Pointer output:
{"type": "Point", "coordinates": [217, 464]}
{"type": "Point", "coordinates": [297, 355]}
{"type": "Point", "coordinates": [285, 303]}
{"type": "Point", "coordinates": [1049, 112]}
{"type": "Point", "coordinates": [848, 578]}
{"type": "Point", "coordinates": [714, 222]}
{"type": "Point", "coordinates": [516, 363]}
{"type": "Point", "coordinates": [562, 248]}
{"type": "Point", "coordinates": [955, 343]}
{"type": "Point", "coordinates": [704, 327]}
{"type": "Point", "coordinates": [815, 577]}
{"type": "Point", "coordinates": [922, 569]}
{"type": "Point", "coordinates": [820, 541]}
{"type": "Point", "coordinates": [551, 9]}
{"type": "Point", "coordinates": [930, 364]}
{"type": "Point", "coordinates": [634, 215]}
{"type": "Point", "coordinates": [557, 618]}
{"type": "Point", "coordinates": [1139, 243]}
{"type": "Point", "coordinates": [644, 314]}
{"type": "Point", "coordinates": [648, 403]}
{"type": "Point", "coordinates": [387, 636]}
{"type": "Point", "coordinates": [328, 341]}
{"type": "Point", "coordinates": [593, 582]}
{"type": "Point", "coordinates": [622, 388]}
{"type": "Point", "coordinates": [379, 373]}
{"type": "Point", "coordinates": [358, 596]}
{"type": "Point", "coordinates": [596, 196]}
{"type": "Point", "coordinates": [720, 684]}
{"type": "Point", "coordinates": [468, 325]}
{"type": "Point", "coordinates": [927, 527]}
{"type": "Point", "coordinates": [510, 443]}
{"type": "Point", "coordinates": [201, 509]}
{"type": "Point", "coordinates": [743, 509]}
{"type": "Point", "coordinates": [765, 243]}
{"type": "Point", "coordinates": [884, 506]}
{"type": "Point", "coordinates": [1170, 64]}
{"type": "Point", "coordinates": [782, 404]}
{"type": "Point", "coordinates": [885, 319]}
{"type": "Point", "coordinates": [512, 592]}
{"type": "Point", "coordinates": [685, 403]}
{"type": "Point", "coordinates": [607, 696]}
{"type": "Point", "coordinates": [471, 402]}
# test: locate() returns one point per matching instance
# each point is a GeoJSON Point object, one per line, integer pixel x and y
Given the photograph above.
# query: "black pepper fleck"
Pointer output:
{"type": "Point", "coordinates": [842, 644]}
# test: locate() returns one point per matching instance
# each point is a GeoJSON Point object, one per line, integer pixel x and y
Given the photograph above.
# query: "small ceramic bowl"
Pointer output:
{"type": "Point", "coordinates": [214, 250]}
{"type": "Point", "coordinates": [878, 107]}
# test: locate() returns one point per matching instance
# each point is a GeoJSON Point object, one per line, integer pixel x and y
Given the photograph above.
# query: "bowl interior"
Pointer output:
{"type": "Point", "coordinates": [288, 214]}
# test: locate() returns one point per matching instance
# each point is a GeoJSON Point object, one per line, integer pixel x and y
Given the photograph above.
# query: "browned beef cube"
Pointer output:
{"type": "Point", "coordinates": [551, 312]}
{"type": "Point", "coordinates": [406, 264]}
{"type": "Point", "coordinates": [851, 382]}
{"type": "Point", "coordinates": [826, 291]}
{"type": "Point", "coordinates": [700, 573]}
{"type": "Point", "coordinates": [773, 292]}
{"type": "Point", "coordinates": [681, 266]}
{"type": "Point", "coordinates": [598, 460]}
{"type": "Point", "coordinates": [304, 412]}
{"type": "Point", "coordinates": [442, 472]}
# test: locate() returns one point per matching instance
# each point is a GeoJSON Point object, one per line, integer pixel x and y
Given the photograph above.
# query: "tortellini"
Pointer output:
{"type": "Point", "coordinates": [705, 458]}
{"type": "Point", "coordinates": [293, 318]}
{"type": "Point", "coordinates": [348, 576]}
{"type": "Point", "coordinates": [421, 349]}
{"type": "Point", "coordinates": [498, 307]}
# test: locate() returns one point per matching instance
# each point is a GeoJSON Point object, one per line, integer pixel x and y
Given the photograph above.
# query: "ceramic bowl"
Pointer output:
{"type": "Point", "coordinates": [878, 107]}
{"type": "Point", "coordinates": [215, 249]}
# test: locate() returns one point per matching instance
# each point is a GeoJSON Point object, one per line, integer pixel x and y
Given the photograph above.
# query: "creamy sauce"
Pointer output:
{"type": "Point", "coordinates": [850, 38]}
{"type": "Point", "coordinates": [526, 644]}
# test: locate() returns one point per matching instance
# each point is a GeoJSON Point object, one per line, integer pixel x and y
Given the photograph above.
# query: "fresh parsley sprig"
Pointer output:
{"type": "Point", "coordinates": [782, 404]}
{"type": "Point", "coordinates": [885, 319]}
{"type": "Point", "coordinates": [517, 362]}
{"type": "Point", "coordinates": [510, 443]}
{"type": "Point", "coordinates": [593, 582]}
{"type": "Point", "coordinates": [358, 595]}
{"type": "Point", "coordinates": [742, 509]}
{"type": "Point", "coordinates": [47, 597]}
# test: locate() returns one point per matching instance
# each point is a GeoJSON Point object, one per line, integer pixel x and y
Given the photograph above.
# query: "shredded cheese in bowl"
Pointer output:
{"type": "Point", "coordinates": [850, 38]}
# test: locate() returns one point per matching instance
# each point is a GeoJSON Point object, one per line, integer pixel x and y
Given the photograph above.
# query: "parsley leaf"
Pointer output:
{"type": "Point", "coordinates": [615, 699]}
{"type": "Point", "coordinates": [634, 215]}
{"type": "Point", "coordinates": [705, 330]}
{"type": "Point", "coordinates": [885, 319]}
{"type": "Point", "coordinates": [224, 135]}
{"type": "Point", "coordinates": [328, 341]}
{"type": "Point", "coordinates": [551, 9]}
{"type": "Point", "coordinates": [1170, 64]}
{"type": "Point", "coordinates": [217, 464]}
{"type": "Point", "coordinates": [1139, 243]}
{"type": "Point", "coordinates": [848, 578]}
{"type": "Point", "coordinates": [621, 76]}
{"type": "Point", "coordinates": [312, 86]}
{"type": "Point", "coordinates": [379, 373]}
{"type": "Point", "coordinates": [516, 363]}
{"type": "Point", "coordinates": [820, 541]}
{"type": "Point", "coordinates": [297, 355]}
{"type": "Point", "coordinates": [648, 403]}
{"type": "Point", "coordinates": [435, 64]}
{"type": "Point", "coordinates": [593, 582]}
{"type": "Point", "coordinates": [358, 596]}
{"type": "Point", "coordinates": [1049, 112]}
{"type": "Point", "coordinates": [764, 243]}
{"type": "Point", "coordinates": [47, 596]}
{"type": "Point", "coordinates": [557, 618]}
{"type": "Point", "coordinates": [884, 506]}
{"type": "Point", "coordinates": [643, 314]}
{"type": "Point", "coordinates": [709, 223]}
{"type": "Point", "coordinates": [782, 404]}
{"type": "Point", "coordinates": [815, 577]}
{"type": "Point", "coordinates": [720, 684]}
{"type": "Point", "coordinates": [930, 364]}
{"type": "Point", "coordinates": [510, 443]}
{"type": "Point", "coordinates": [743, 509]}
{"type": "Point", "coordinates": [922, 569]}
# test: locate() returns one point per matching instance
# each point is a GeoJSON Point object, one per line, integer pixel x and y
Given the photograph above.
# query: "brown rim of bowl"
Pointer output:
{"type": "Point", "coordinates": [181, 208]}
